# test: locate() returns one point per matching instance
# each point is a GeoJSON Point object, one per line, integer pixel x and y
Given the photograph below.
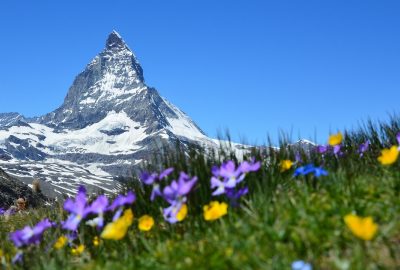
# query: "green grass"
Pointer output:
{"type": "Point", "coordinates": [283, 219]}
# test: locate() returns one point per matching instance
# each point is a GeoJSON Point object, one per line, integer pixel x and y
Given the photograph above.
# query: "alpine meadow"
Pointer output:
{"type": "Point", "coordinates": [142, 135]}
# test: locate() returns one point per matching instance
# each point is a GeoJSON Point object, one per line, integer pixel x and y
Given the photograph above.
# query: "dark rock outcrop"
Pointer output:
{"type": "Point", "coordinates": [11, 189]}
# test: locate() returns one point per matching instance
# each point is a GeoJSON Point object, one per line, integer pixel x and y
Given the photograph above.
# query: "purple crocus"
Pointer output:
{"type": "Point", "coordinates": [99, 206]}
{"type": "Point", "coordinates": [363, 148]}
{"type": "Point", "coordinates": [310, 168]}
{"type": "Point", "coordinates": [77, 208]}
{"type": "Point", "coordinates": [154, 180]}
{"type": "Point", "coordinates": [29, 235]}
{"type": "Point", "coordinates": [120, 202]}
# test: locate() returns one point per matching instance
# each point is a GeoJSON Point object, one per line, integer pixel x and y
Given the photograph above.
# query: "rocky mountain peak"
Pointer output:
{"type": "Point", "coordinates": [115, 40]}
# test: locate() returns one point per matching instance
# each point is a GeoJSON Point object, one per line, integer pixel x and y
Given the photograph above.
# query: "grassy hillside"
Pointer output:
{"type": "Point", "coordinates": [283, 218]}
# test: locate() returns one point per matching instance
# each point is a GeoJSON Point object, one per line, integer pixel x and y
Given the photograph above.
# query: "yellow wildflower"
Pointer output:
{"type": "Point", "coordinates": [215, 210]}
{"type": "Point", "coordinates": [363, 228]}
{"type": "Point", "coordinates": [286, 165]}
{"type": "Point", "coordinates": [61, 242]}
{"type": "Point", "coordinates": [335, 139]}
{"type": "Point", "coordinates": [181, 215]}
{"type": "Point", "coordinates": [96, 241]}
{"type": "Point", "coordinates": [117, 230]}
{"type": "Point", "coordinates": [78, 250]}
{"type": "Point", "coordinates": [389, 156]}
{"type": "Point", "coordinates": [146, 222]}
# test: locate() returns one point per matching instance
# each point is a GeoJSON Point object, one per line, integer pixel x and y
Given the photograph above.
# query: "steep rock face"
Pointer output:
{"type": "Point", "coordinates": [109, 122]}
{"type": "Point", "coordinates": [112, 81]}
{"type": "Point", "coordinates": [11, 189]}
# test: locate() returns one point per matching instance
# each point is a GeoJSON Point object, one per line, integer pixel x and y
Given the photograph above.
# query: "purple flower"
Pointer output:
{"type": "Point", "coordinates": [171, 212]}
{"type": "Point", "coordinates": [363, 148]}
{"type": "Point", "coordinates": [72, 236]}
{"type": "Point", "coordinates": [301, 265]}
{"type": "Point", "coordinates": [398, 138]}
{"type": "Point", "coordinates": [336, 149]}
{"type": "Point", "coordinates": [29, 235]}
{"type": "Point", "coordinates": [252, 166]}
{"type": "Point", "coordinates": [178, 190]}
{"type": "Point", "coordinates": [2, 211]}
{"type": "Point", "coordinates": [234, 195]}
{"type": "Point", "coordinates": [148, 178]}
{"type": "Point", "coordinates": [228, 176]}
{"type": "Point", "coordinates": [176, 195]}
{"type": "Point", "coordinates": [17, 258]}
{"type": "Point", "coordinates": [165, 173]}
{"type": "Point", "coordinates": [99, 206]}
{"type": "Point", "coordinates": [322, 149]}
{"type": "Point", "coordinates": [222, 186]}
{"type": "Point", "coordinates": [121, 201]}
{"type": "Point", "coordinates": [228, 171]}
{"type": "Point", "coordinates": [297, 158]}
{"type": "Point", "coordinates": [310, 168]}
{"type": "Point", "coordinates": [77, 209]}
{"type": "Point", "coordinates": [154, 179]}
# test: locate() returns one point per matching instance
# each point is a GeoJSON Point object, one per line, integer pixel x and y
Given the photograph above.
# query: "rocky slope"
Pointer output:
{"type": "Point", "coordinates": [11, 189]}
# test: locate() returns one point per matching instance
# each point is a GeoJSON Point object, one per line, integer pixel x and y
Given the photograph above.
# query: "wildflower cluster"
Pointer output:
{"type": "Point", "coordinates": [79, 210]}
{"type": "Point", "coordinates": [113, 220]}
{"type": "Point", "coordinates": [228, 179]}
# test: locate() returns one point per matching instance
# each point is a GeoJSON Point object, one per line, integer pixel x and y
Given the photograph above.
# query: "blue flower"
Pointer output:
{"type": "Point", "coordinates": [310, 168]}
{"type": "Point", "coordinates": [301, 265]}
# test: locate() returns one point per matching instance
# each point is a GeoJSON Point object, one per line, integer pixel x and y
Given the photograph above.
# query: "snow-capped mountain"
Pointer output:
{"type": "Point", "coordinates": [109, 122]}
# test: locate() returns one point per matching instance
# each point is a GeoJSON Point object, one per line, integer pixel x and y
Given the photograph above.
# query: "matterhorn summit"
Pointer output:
{"type": "Point", "coordinates": [110, 121]}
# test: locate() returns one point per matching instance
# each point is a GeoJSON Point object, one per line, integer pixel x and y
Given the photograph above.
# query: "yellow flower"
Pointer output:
{"type": "Point", "coordinates": [1, 253]}
{"type": "Point", "coordinates": [286, 165]}
{"type": "Point", "coordinates": [117, 230]}
{"type": "Point", "coordinates": [61, 242]}
{"type": "Point", "coordinates": [146, 223]}
{"type": "Point", "coordinates": [363, 228]}
{"type": "Point", "coordinates": [215, 210]}
{"type": "Point", "coordinates": [389, 156]}
{"type": "Point", "coordinates": [96, 241]}
{"type": "Point", "coordinates": [182, 213]}
{"type": "Point", "coordinates": [335, 139]}
{"type": "Point", "coordinates": [78, 250]}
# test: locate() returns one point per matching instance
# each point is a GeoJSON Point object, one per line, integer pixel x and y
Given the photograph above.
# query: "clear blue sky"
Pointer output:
{"type": "Point", "coordinates": [255, 67]}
